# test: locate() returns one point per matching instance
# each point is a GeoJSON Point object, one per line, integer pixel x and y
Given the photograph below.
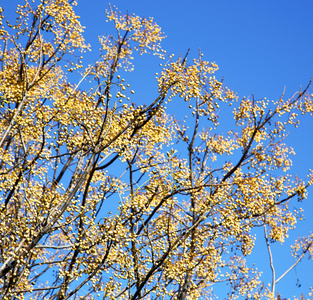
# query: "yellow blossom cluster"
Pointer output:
{"type": "Point", "coordinates": [103, 197]}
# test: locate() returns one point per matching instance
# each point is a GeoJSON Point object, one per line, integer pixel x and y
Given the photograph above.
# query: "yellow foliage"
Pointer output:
{"type": "Point", "coordinates": [102, 196]}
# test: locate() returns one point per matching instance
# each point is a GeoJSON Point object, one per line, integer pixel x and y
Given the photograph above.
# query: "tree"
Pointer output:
{"type": "Point", "coordinates": [105, 198]}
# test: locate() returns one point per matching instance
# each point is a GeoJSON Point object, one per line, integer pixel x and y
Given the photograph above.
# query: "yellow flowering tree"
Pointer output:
{"type": "Point", "coordinates": [104, 198]}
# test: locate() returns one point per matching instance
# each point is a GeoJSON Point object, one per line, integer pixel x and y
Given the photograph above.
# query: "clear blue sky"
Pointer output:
{"type": "Point", "coordinates": [260, 47]}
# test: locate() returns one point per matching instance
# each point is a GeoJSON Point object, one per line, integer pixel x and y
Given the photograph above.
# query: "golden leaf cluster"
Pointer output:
{"type": "Point", "coordinates": [105, 198]}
